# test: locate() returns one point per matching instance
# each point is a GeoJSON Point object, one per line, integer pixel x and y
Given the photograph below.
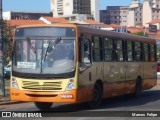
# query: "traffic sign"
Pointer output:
{"type": "Point", "coordinates": [152, 28]}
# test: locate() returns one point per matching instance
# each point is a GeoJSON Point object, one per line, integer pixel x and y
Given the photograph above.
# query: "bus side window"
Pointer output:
{"type": "Point", "coordinates": [138, 51]}
{"type": "Point", "coordinates": [129, 51]}
{"type": "Point", "coordinates": [146, 51]}
{"type": "Point", "coordinates": [152, 53]}
{"type": "Point", "coordinates": [119, 50]}
{"type": "Point", "coordinates": [108, 50]}
{"type": "Point", "coordinates": [155, 52]}
{"type": "Point", "coordinates": [85, 54]}
{"type": "Point", "coordinates": [97, 49]}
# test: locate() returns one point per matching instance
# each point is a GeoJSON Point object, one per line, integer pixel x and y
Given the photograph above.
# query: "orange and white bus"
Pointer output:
{"type": "Point", "coordinates": [69, 63]}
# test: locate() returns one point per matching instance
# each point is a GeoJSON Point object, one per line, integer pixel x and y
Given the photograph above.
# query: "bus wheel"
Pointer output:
{"type": "Point", "coordinates": [97, 97]}
{"type": "Point", "coordinates": [43, 105]}
{"type": "Point", "coordinates": [138, 88]}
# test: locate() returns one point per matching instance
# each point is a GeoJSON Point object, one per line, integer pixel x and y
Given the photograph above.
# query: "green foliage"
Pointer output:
{"type": "Point", "coordinates": [7, 42]}
{"type": "Point", "coordinates": [158, 52]}
{"type": "Point", "coordinates": [139, 33]}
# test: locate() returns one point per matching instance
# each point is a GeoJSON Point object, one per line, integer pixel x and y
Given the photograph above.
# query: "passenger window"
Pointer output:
{"type": "Point", "coordinates": [146, 57]}
{"type": "Point", "coordinates": [108, 50]}
{"type": "Point", "coordinates": [129, 51]}
{"type": "Point", "coordinates": [155, 52]}
{"type": "Point", "coordinates": [85, 52]}
{"type": "Point", "coordinates": [152, 53]}
{"type": "Point", "coordinates": [108, 43]}
{"type": "Point", "coordinates": [138, 51]}
{"type": "Point", "coordinates": [119, 50]}
{"type": "Point", "coordinates": [97, 49]}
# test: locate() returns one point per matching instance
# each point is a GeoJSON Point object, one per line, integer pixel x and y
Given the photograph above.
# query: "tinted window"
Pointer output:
{"type": "Point", "coordinates": [119, 50]}
{"type": "Point", "coordinates": [146, 57]}
{"type": "Point", "coordinates": [108, 49]}
{"type": "Point", "coordinates": [129, 51]}
{"type": "Point", "coordinates": [97, 49]}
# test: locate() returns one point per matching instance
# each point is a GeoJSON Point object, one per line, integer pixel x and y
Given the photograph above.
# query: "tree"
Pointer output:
{"type": "Point", "coordinates": [7, 42]}
{"type": "Point", "coordinates": [139, 33]}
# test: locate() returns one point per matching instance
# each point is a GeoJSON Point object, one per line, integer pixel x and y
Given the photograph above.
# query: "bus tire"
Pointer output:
{"type": "Point", "coordinates": [97, 97]}
{"type": "Point", "coordinates": [43, 105]}
{"type": "Point", "coordinates": [138, 88]}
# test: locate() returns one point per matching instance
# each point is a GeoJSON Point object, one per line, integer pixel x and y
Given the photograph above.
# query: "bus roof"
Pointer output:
{"type": "Point", "coordinates": [49, 25]}
{"type": "Point", "coordinates": [116, 35]}
{"type": "Point", "coordinates": [98, 32]}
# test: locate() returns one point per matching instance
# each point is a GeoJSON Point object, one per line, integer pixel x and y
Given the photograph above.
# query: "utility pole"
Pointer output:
{"type": "Point", "coordinates": [2, 82]}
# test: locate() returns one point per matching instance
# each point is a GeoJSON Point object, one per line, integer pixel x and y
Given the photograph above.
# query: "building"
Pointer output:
{"type": "Point", "coordinates": [93, 24]}
{"type": "Point", "coordinates": [105, 16]}
{"type": "Point", "coordinates": [51, 20]}
{"type": "Point", "coordinates": [136, 13]}
{"type": "Point", "coordinates": [151, 10]}
{"type": "Point", "coordinates": [122, 14]}
{"type": "Point", "coordinates": [134, 16]}
{"type": "Point", "coordinates": [114, 15]}
{"type": "Point", "coordinates": [76, 9]}
{"type": "Point", "coordinates": [12, 15]}
{"type": "Point", "coordinates": [115, 27]}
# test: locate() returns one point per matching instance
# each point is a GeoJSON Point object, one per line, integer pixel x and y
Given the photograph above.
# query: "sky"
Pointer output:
{"type": "Point", "coordinates": [44, 5]}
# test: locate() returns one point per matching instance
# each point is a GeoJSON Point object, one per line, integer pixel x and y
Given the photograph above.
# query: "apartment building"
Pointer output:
{"type": "Point", "coordinates": [122, 14]}
{"type": "Point", "coordinates": [136, 13]}
{"type": "Point", "coordinates": [115, 15]}
{"type": "Point", "coordinates": [151, 10]}
{"type": "Point", "coordinates": [76, 9]}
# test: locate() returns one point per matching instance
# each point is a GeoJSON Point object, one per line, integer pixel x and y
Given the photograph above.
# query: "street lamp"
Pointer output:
{"type": "Point", "coordinates": [2, 83]}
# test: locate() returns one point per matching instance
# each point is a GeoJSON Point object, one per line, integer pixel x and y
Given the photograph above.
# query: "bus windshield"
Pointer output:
{"type": "Point", "coordinates": [44, 56]}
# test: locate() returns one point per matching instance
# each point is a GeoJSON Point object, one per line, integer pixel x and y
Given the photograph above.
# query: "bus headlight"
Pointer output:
{"type": "Point", "coordinates": [14, 83]}
{"type": "Point", "coordinates": [70, 85]}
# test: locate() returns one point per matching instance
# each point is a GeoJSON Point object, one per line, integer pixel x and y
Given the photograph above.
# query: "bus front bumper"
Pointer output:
{"type": "Point", "coordinates": [29, 96]}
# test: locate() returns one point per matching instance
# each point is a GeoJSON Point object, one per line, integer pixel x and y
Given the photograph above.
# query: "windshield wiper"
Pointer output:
{"type": "Point", "coordinates": [51, 46]}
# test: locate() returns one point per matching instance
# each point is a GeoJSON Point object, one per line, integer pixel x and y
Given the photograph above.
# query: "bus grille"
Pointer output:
{"type": "Point", "coordinates": [31, 85]}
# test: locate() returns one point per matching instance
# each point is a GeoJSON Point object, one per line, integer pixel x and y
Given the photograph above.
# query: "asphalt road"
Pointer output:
{"type": "Point", "coordinates": [149, 101]}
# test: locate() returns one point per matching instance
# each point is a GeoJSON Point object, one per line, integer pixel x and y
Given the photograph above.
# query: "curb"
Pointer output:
{"type": "Point", "coordinates": [10, 102]}
{"type": "Point", "coordinates": [7, 101]}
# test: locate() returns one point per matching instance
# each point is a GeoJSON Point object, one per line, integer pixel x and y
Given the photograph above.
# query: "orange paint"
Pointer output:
{"type": "Point", "coordinates": [85, 93]}
{"type": "Point", "coordinates": [113, 89]}
{"type": "Point", "coordinates": [28, 96]}
{"type": "Point", "coordinates": [149, 83]}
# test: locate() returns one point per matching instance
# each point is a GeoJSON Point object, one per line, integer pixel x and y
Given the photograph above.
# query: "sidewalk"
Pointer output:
{"type": "Point", "coordinates": [4, 100]}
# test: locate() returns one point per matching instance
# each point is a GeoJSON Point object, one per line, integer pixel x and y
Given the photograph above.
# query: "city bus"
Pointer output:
{"type": "Point", "coordinates": [71, 63]}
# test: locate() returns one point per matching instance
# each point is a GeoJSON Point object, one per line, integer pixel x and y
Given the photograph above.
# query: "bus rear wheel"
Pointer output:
{"type": "Point", "coordinates": [43, 105]}
{"type": "Point", "coordinates": [97, 97]}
